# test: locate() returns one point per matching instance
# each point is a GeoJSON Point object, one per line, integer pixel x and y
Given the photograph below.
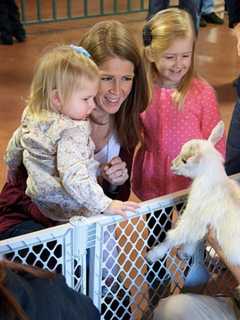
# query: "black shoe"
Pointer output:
{"type": "Point", "coordinates": [159, 284]}
{"type": "Point", "coordinates": [19, 34]}
{"type": "Point", "coordinates": [6, 38]}
{"type": "Point", "coordinates": [203, 22]}
{"type": "Point", "coordinates": [212, 18]}
{"type": "Point", "coordinates": [115, 308]}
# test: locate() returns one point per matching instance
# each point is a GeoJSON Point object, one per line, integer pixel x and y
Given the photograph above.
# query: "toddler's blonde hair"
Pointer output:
{"type": "Point", "coordinates": [62, 69]}
{"type": "Point", "coordinates": [158, 34]}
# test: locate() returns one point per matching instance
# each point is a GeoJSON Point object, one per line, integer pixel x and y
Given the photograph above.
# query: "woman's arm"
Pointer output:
{"type": "Point", "coordinates": [16, 207]}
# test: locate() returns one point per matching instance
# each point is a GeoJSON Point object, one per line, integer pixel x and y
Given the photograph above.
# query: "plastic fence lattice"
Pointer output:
{"type": "Point", "coordinates": [126, 286]}
{"type": "Point", "coordinates": [122, 284]}
{"type": "Point", "coordinates": [50, 249]}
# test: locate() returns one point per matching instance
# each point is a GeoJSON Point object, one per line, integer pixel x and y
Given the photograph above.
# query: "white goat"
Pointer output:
{"type": "Point", "coordinates": [214, 200]}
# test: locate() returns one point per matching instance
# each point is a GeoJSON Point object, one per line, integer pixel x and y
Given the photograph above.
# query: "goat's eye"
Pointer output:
{"type": "Point", "coordinates": [184, 160]}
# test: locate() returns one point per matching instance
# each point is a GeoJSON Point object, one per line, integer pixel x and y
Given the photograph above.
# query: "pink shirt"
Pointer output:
{"type": "Point", "coordinates": [165, 130]}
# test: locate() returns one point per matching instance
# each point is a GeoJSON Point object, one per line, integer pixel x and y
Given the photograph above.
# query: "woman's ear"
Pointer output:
{"type": "Point", "coordinates": [55, 100]}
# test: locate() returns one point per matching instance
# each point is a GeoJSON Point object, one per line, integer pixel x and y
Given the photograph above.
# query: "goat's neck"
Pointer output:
{"type": "Point", "coordinates": [212, 174]}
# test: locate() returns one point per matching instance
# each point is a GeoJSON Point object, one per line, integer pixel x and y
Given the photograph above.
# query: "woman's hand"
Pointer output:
{"type": "Point", "coordinates": [120, 208]}
{"type": "Point", "coordinates": [115, 171]}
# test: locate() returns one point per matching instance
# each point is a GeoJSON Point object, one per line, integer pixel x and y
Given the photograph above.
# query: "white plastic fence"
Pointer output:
{"type": "Point", "coordinates": [104, 258]}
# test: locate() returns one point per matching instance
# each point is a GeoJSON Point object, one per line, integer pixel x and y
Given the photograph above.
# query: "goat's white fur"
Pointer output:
{"type": "Point", "coordinates": [214, 200]}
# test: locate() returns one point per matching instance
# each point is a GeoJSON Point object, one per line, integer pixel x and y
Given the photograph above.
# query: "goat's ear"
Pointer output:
{"type": "Point", "coordinates": [217, 133]}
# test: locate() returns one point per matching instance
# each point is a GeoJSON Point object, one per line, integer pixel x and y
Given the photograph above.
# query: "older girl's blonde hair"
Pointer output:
{"type": "Point", "coordinates": [158, 35]}
{"type": "Point", "coordinates": [62, 69]}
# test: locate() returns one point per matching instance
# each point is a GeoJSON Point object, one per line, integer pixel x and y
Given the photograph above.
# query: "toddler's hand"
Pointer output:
{"type": "Point", "coordinates": [120, 208]}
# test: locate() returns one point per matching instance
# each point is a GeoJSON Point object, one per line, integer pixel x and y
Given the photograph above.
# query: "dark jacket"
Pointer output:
{"type": "Point", "coordinates": [233, 7]}
{"type": "Point", "coordinates": [16, 207]}
{"type": "Point", "coordinates": [232, 164]}
{"type": "Point", "coordinates": [49, 298]}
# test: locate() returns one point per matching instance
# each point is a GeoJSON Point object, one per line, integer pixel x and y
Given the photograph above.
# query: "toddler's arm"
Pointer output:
{"type": "Point", "coordinates": [14, 152]}
{"type": "Point", "coordinates": [77, 170]}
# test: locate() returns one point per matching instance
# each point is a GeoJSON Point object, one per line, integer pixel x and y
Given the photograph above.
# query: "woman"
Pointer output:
{"type": "Point", "coordinates": [115, 125]}
{"type": "Point", "coordinates": [28, 293]}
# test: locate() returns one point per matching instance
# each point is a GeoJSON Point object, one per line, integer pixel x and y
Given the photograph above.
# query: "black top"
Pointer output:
{"type": "Point", "coordinates": [233, 7]}
{"type": "Point", "coordinates": [232, 164]}
{"type": "Point", "coordinates": [52, 299]}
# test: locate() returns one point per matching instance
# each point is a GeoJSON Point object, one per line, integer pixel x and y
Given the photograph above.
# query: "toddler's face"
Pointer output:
{"type": "Point", "coordinates": [81, 103]}
{"type": "Point", "coordinates": [175, 62]}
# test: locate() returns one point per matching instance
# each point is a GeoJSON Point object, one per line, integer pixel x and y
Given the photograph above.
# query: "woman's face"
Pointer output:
{"type": "Point", "coordinates": [116, 79]}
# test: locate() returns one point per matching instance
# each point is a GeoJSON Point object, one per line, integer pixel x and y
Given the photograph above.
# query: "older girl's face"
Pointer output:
{"type": "Point", "coordinates": [116, 80]}
{"type": "Point", "coordinates": [175, 62]}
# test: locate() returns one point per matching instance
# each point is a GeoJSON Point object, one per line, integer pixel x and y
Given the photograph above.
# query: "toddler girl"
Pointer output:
{"type": "Point", "coordinates": [54, 143]}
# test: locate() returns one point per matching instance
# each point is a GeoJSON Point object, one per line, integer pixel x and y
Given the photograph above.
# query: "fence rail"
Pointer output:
{"type": "Point", "coordinates": [111, 250]}
{"type": "Point", "coordinates": [38, 11]}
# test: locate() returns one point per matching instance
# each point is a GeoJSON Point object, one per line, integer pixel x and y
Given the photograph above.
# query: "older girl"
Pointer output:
{"type": "Point", "coordinates": [183, 106]}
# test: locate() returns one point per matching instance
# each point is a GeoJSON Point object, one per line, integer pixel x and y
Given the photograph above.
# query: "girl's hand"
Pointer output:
{"type": "Point", "coordinates": [212, 240]}
{"type": "Point", "coordinates": [115, 171]}
{"type": "Point", "coordinates": [120, 208]}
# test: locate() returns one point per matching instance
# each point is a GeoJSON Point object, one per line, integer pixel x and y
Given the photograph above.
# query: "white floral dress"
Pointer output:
{"type": "Point", "coordinates": [58, 154]}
